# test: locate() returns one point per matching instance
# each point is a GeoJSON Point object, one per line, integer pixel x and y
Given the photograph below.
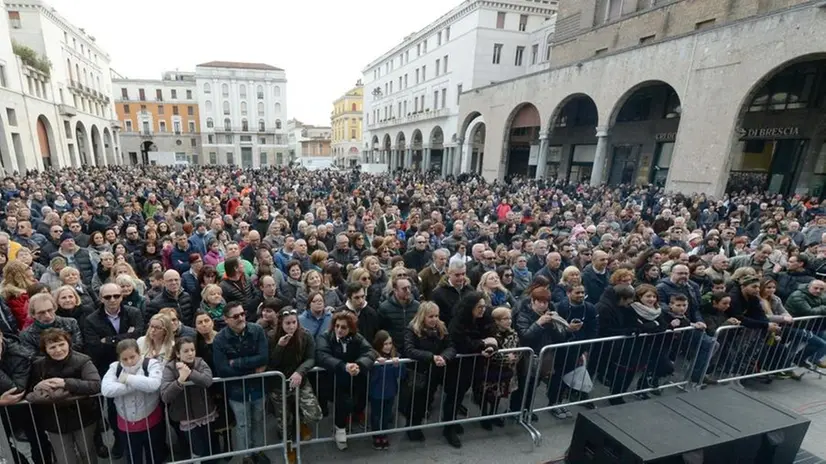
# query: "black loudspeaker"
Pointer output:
{"type": "Point", "coordinates": [719, 425]}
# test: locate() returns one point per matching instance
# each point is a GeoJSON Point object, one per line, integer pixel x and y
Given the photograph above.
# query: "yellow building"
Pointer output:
{"type": "Point", "coordinates": [346, 124]}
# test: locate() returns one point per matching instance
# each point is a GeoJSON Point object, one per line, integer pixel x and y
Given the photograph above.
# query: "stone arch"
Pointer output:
{"type": "Point", "coordinates": [83, 146]}
{"type": "Point", "coordinates": [521, 137]}
{"type": "Point", "coordinates": [468, 119]}
{"type": "Point", "coordinates": [473, 151]}
{"type": "Point", "coordinates": [47, 143]}
{"type": "Point", "coordinates": [436, 156]}
{"type": "Point", "coordinates": [575, 117]}
{"type": "Point", "coordinates": [644, 123]}
{"type": "Point", "coordinates": [97, 147]}
{"type": "Point", "coordinates": [780, 128]}
{"type": "Point", "coordinates": [109, 147]}
{"type": "Point", "coordinates": [401, 141]}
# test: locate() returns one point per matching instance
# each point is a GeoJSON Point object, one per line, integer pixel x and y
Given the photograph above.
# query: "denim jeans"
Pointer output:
{"type": "Point", "coordinates": [381, 413]}
{"type": "Point", "coordinates": [149, 444]}
{"type": "Point", "coordinates": [706, 350]}
{"type": "Point", "coordinates": [249, 427]}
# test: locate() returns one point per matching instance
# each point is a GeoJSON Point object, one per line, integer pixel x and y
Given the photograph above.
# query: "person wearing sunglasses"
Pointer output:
{"type": "Point", "coordinates": [241, 349]}
{"type": "Point", "coordinates": [103, 329]}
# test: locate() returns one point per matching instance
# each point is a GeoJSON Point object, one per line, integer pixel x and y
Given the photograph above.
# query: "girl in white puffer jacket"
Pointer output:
{"type": "Point", "coordinates": [134, 383]}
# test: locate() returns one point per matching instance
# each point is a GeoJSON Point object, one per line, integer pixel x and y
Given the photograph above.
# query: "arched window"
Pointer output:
{"type": "Point", "coordinates": [227, 124]}
{"type": "Point", "coordinates": [207, 88]}
{"type": "Point", "coordinates": [77, 73]}
{"type": "Point", "coordinates": [210, 123]}
{"type": "Point", "coordinates": [243, 108]}
{"type": "Point", "coordinates": [245, 125]}
{"type": "Point", "coordinates": [261, 125]}
{"type": "Point", "coordinates": [242, 90]}
{"type": "Point", "coordinates": [226, 107]}
{"type": "Point", "coordinates": [85, 77]}
{"type": "Point", "coordinates": [209, 106]}
{"type": "Point", "coordinates": [260, 109]}
{"type": "Point", "coordinates": [278, 124]}
{"type": "Point", "coordinates": [548, 46]}
{"type": "Point", "coordinates": [353, 107]}
{"type": "Point", "coordinates": [225, 90]}
{"type": "Point", "coordinates": [260, 91]}
{"type": "Point", "coordinates": [276, 91]}
{"type": "Point", "coordinates": [278, 108]}
{"type": "Point", "coordinates": [71, 74]}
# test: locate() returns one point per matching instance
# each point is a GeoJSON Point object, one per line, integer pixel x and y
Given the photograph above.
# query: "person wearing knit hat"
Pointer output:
{"type": "Point", "coordinates": [66, 235]}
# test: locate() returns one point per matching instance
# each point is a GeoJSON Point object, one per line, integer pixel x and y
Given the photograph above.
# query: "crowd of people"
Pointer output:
{"type": "Point", "coordinates": [143, 284]}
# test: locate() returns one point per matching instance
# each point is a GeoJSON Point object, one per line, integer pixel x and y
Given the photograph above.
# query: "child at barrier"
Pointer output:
{"type": "Point", "coordinates": [134, 382]}
{"type": "Point", "coordinates": [496, 377]}
{"type": "Point", "coordinates": [191, 407]}
{"type": "Point", "coordinates": [384, 386]}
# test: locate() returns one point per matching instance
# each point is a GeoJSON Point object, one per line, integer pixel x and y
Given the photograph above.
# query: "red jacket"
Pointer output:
{"type": "Point", "coordinates": [19, 306]}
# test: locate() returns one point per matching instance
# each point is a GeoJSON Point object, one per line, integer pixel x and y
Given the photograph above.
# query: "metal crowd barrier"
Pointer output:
{"type": "Point", "coordinates": [578, 373]}
{"type": "Point", "coordinates": [473, 365]}
{"type": "Point", "coordinates": [747, 353]}
{"type": "Point", "coordinates": [604, 369]}
{"type": "Point", "coordinates": [81, 446]}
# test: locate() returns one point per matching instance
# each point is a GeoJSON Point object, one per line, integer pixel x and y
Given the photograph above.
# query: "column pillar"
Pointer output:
{"type": "Point", "coordinates": [408, 158]}
{"type": "Point", "coordinates": [542, 159]}
{"type": "Point", "coordinates": [443, 167]}
{"type": "Point", "coordinates": [425, 160]}
{"type": "Point", "coordinates": [600, 155]}
{"type": "Point", "coordinates": [467, 157]}
{"type": "Point", "coordinates": [457, 160]}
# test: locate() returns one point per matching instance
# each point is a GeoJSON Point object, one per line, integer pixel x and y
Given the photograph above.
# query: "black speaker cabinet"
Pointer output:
{"type": "Point", "coordinates": [724, 425]}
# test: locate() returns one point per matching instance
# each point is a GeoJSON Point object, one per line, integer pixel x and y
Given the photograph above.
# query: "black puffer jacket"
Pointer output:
{"type": "Point", "coordinates": [182, 304]}
{"type": "Point", "coordinates": [81, 261]}
{"type": "Point", "coordinates": [15, 364]}
{"type": "Point", "coordinates": [242, 291]}
{"type": "Point", "coordinates": [331, 355]}
{"type": "Point", "coordinates": [447, 296]}
{"type": "Point", "coordinates": [82, 379]}
{"type": "Point", "coordinates": [422, 348]}
{"type": "Point", "coordinates": [394, 317]}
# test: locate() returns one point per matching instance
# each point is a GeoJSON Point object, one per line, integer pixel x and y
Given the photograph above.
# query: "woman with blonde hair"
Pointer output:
{"type": "Point", "coordinates": [130, 293]}
{"type": "Point", "coordinates": [69, 304]}
{"type": "Point", "coordinates": [159, 341]}
{"type": "Point", "coordinates": [317, 260]}
{"type": "Point", "coordinates": [571, 275]}
{"type": "Point", "coordinates": [213, 303]}
{"type": "Point", "coordinates": [123, 268]}
{"type": "Point", "coordinates": [17, 276]}
{"type": "Point", "coordinates": [313, 281]}
{"type": "Point", "coordinates": [378, 280]}
{"type": "Point", "coordinates": [494, 292]}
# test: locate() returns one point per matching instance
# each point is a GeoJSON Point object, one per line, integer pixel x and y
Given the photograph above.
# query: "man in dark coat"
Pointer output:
{"type": "Point", "coordinates": [173, 296]}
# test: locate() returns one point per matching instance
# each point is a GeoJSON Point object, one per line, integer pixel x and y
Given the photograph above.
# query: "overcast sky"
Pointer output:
{"type": "Point", "coordinates": [323, 44]}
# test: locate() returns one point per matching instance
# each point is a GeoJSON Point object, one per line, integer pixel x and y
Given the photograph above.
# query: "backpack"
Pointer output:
{"type": "Point", "coordinates": [145, 366]}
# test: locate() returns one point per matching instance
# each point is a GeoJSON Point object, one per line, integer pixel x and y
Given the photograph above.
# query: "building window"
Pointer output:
{"type": "Point", "coordinates": [243, 108]}
{"type": "Point", "coordinates": [497, 53]}
{"type": "Point", "coordinates": [424, 46]}
{"type": "Point", "coordinates": [261, 125]}
{"type": "Point", "coordinates": [418, 49]}
{"type": "Point", "coordinates": [210, 123]}
{"type": "Point", "coordinates": [417, 76]}
{"type": "Point", "coordinates": [160, 109]}
{"type": "Point", "coordinates": [245, 125]}
{"type": "Point", "coordinates": [126, 108]}
{"type": "Point", "coordinates": [141, 93]}
{"type": "Point", "coordinates": [124, 92]}
{"type": "Point", "coordinates": [191, 126]}
{"type": "Point", "coordinates": [159, 95]}
{"type": "Point", "coordinates": [439, 38]}
{"type": "Point", "coordinates": [523, 23]}
{"type": "Point", "coordinates": [225, 90]}
{"type": "Point", "coordinates": [444, 97]}
{"type": "Point", "coordinates": [263, 158]}
{"type": "Point", "coordinates": [458, 93]}
{"type": "Point", "coordinates": [14, 19]}
{"type": "Point", "coordinates": [230, 159]}
{"type": "Point", "coordinates": [500, 20]}
{"type": "Point", "coordinates": [260, 92]}
{"type": "Point", "coordinates": [424, 73]}
{"type": "Point", "coordinates": [534, 53]}
{"type": "Point", "coordinates": [213, 157]}
{"type": "Point", "coordinates": [226, 107]}
{"type": "Point", "coordinates": [229, 138]}
{"type": "Point", "coordinates": [438, 67]}
{"type": "Point", "coordinates": [175, 110]}
{"type": "Point", "coordinates": [444, 60]}
{"type": "Point", "coordinates": [176, 126]}
{"type": "Point", "coordinates": [128, 126]}
{"type": "Point", "coordinates": [405, 81]}
{"type": "Point", "coordinates": [190, 110]}
{"type": "Point", "coordinates": [207, 89]}
{"type": "Point", "coordinates": [435, 100]}
{"type": "Point", "coordinates": [518, 59]}
{"type": "Point", "coordinates": [261, 108]}
{"type": "Point", "coordinates": [67, 128]}
{"type": "Point", "coordinates": [278, 124]}
{"type": "Point", "coordinates": [792, 88]}
{"type": "Point", "coordinates": [227, 124]}
{"type": "Point", "coordinates": [352, 133]}
{"type": "Point", "coordinates": [447, 33]}
{"type": "Point", "coordinates": [162, 126]}
{"type": "Point", "coordinates": [210, 139]}
{"type": "Point", "coordinates": [276, 91]}
{"type": "Point", "coordinates": [208, 105]}
{"type": "Point", "coordinates": [243, 91]}
{"type": "Point", "coordinates": [189, 95]}
{"type": "Point", "coordinates": [548, 47]}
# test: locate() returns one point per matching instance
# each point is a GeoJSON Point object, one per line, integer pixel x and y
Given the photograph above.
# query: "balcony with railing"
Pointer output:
{"type": "Point", "coordinates": [413, 116]}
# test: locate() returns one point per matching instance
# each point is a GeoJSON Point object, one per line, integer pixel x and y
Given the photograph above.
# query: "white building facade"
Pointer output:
{"type": "Point", "coordinates": [56, 91]}
{"type": "Point", "coordinates": [243, 111]}
{"type": "Point", "coordinates": [411, 93]}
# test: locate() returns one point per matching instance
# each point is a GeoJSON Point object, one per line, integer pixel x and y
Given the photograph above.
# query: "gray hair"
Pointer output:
{"type": "Point", "coordinates": [444, 252]}
{"type": "Point", "coordinates": [456, 265]}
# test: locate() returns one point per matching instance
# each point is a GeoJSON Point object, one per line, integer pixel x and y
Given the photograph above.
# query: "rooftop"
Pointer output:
{"type": "Point", "coordinates": [239, 65]}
